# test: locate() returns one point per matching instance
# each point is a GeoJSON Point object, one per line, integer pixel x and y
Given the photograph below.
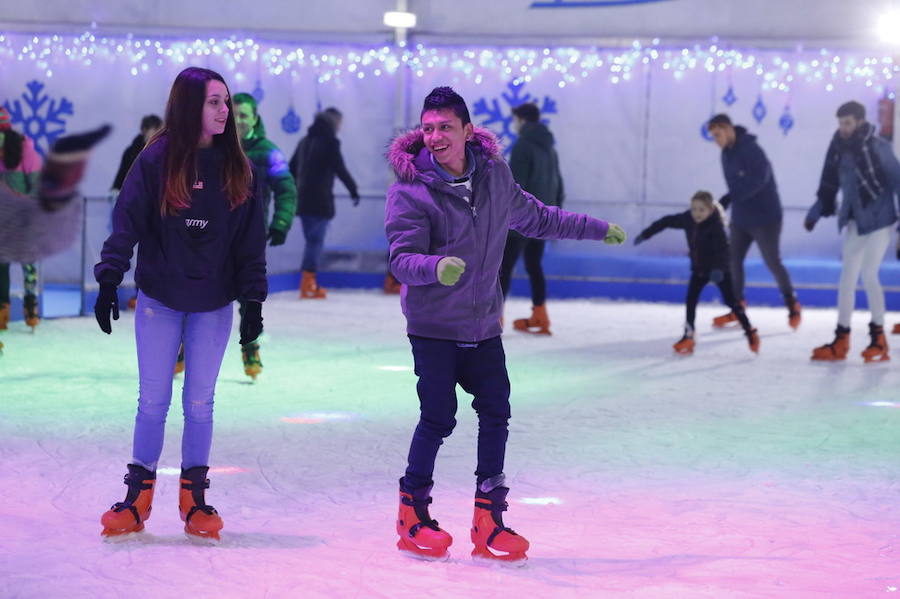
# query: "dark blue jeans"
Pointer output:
{"type": "Point", "coordinates": [314, 229]}
{"type": "Point", "coordinates": [480, 369]}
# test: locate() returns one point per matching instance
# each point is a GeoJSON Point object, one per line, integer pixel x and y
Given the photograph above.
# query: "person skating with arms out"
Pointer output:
{"type": "Point", "coordinates": [708, 245]}
{"type": "Point", "coordinates": [188, 204]}
{"type": "Point", "coordinates": [446, 220]}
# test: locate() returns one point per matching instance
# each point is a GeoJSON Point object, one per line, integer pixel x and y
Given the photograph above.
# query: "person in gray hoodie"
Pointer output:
{"type": "Point", "coordinates": [535, 166]}
{"type": "Point", "coordinates": [446, 220]}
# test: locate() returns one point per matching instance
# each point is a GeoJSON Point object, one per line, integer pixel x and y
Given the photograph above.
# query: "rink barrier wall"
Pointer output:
{"type": "Point", "coordinates": [627, 278]}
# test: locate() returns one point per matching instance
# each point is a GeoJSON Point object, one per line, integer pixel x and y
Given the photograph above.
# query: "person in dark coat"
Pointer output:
{"type": "Point", "coordinates": [315, 163]}
{"type": "Point", "coordinates": [756, 214]}
{"type": "Point", "coordinates": [535, 166]}
{"type": "Point", "coordinates": [150, 124]}
{"type": "Point", "coordinates": [708, 245]}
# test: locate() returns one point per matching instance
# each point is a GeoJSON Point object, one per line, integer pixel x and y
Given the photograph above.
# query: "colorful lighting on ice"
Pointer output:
{"type": "Point", "coordinates": [318, 417]}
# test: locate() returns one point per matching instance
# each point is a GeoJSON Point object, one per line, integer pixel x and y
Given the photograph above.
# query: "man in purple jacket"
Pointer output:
{"type": "Point", "coordinates": [447, 219]}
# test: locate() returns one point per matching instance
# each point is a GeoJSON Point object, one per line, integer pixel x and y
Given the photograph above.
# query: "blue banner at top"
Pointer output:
{"type": "Point", "coordinates": [588, 3]}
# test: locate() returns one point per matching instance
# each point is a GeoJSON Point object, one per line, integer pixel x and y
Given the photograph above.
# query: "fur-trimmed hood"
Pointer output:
{"type": "Point", "coordinates": [407, 147]}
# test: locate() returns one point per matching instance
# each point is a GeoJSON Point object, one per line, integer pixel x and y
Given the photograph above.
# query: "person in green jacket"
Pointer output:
{"type": "Point", "coordinates": [269, 163]}
{"type": "Point", "coordinates": [20, 166]}
{"type": "Point", "coordinates": [535, 167]}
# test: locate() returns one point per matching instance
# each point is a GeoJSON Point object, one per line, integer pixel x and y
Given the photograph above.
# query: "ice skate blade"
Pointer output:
{"type": "Point", "coordinates": [874, 359]}
{"type": "Point", "coordinates": [207, 539]}
{"type": "Point", "coordinates": [113, 537]}
{"type": "Point", "coordinates": [486, 557]}
{"type": "Point", "coordinates": [828, 358]}
{"type": "Point", "coordinates": [413, 551]}
{"type": "Point", "coordinates": [539, 332]}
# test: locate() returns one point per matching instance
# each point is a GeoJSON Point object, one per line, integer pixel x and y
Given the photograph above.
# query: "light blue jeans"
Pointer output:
{"type": "Point", "coordinates": [159, 331]}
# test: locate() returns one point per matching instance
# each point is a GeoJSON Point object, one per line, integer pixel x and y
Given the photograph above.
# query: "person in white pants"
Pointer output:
{"type": "Point", "coordinates": [862, 166]}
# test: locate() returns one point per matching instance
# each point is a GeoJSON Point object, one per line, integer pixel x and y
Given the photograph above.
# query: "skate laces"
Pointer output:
{"type": "Point", "coordinates": [420, 507]}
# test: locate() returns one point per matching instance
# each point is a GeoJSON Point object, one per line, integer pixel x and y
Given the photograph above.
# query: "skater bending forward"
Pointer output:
{"type": "Point", "coordinates": [708, 245]}
{"type": "Point", "coordinates": [446, 219]}
{"type": "Point", "coordinates": [187, 202]}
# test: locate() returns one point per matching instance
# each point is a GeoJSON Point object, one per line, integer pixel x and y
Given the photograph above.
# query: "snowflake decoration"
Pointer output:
{"type": "Point", "coordinates": [786, 122]}
{"type": "Point", "coordinates": [493, 114]}
{"type": "Point", "coordinates": [759, 110]}
{"type": "Point", "coordinates": [729, 98]}
{"type": "Point", "coordinates": [258, 93]}
{"type": "Point", "coordinates": [42, 126]}
{"type": "Point", "coordinates": [290, 122]}
{"type": "Point", "coordinates": [704, 131]}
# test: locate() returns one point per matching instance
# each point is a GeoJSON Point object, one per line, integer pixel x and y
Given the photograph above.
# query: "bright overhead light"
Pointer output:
{"type": "Point", "coordinates": [400, 20]}
{"type": "Point", "coordinates": [889, 27]}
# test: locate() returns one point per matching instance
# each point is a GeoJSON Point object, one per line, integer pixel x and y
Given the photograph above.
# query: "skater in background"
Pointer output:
{"type": "Point", "coordinates": [276, 180]}
{"type": "Point", "coordinates": [862, 166]}
{"type": "Point", "coordinates": [535, 166]}
{"type": "Point", "coordinates": [150, 124]}
{"type": "Point", "coordinates": [188, 203]}
{"type": "Point", "coordinates": [446, 220]}
{"type": "Point", "coordinates": [46, 221]}
{"type": "Point", "coordinates": [315, 163]}
{"type": "Point", "coordinates": [20, 166]}
{"type": "Point", "coordinates": [708, 245]}
{"type": "Point", "coordinates": [756, 214]}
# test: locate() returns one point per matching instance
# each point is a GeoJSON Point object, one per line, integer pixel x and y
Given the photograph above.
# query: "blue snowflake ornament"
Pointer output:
{"type": "Point", "coordinates": [500, 120]}
{"type": "Point", "coordinates": [759, 110]}
{"type": "Point", "coordinates": [290, 122]}
{"type": "Point", "coordinates": [729, 98]}
{"type": "Point", "coordinates": [258, 93]}
{"type": "Point", "coordinates": [704, 131]}
{"type": "Point", "coordinates": [43, 122]}
{"type": "Point", "coordinates": [786, 122]}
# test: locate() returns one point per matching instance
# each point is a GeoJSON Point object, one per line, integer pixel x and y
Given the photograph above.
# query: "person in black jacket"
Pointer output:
{"type": "Point", "coordinates": [708, 246]}
{"type": "Point", "coordinates": [150, 124]}
{"type": "Point", "coordinates": [756, 213]}
{"type": "Point", "coordinates": [189, 204]}
{"type": "Point", "coordinates": [535, 166]}
{"type": "Point", "coordinates": [315, 163]}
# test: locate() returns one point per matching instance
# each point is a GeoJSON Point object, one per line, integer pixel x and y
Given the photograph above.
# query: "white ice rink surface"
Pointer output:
{"type": "Point", "coordinates": [634, 473]}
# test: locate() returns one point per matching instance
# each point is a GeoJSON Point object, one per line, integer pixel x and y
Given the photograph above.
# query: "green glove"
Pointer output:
{"type": "Point", "coordinates": [450, 269]}
{"type": "Point", "coordinates": [615, 235]}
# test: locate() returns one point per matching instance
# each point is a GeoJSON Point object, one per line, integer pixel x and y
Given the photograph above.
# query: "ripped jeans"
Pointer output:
{"type": "Point", "coordinates": [159, 331]}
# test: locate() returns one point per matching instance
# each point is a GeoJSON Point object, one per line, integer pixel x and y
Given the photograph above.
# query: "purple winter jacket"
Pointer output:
{"type": "Point", "coordinates": [427, 219]}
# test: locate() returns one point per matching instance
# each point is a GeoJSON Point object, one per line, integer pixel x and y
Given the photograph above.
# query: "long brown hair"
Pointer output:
{"type": "Point", "coordinates": [181, 132]}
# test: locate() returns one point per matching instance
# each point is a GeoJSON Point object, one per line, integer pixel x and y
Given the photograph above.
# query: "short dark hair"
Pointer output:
{"type": "Point", "coordinates": [852, 108]}
{"type": "Point", "coordinates": [444, 98]}
{"type": "Point", "coordinates": [703, 196]}
{"type": "Point", "coordinates": [151, 121]}
{"type": "Point", "coordinates": [528, 112]}
{"type": "Point", "coordinates": [720, 120]}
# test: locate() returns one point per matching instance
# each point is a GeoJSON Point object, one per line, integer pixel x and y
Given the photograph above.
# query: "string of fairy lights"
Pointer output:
{"type": "Point", "coordinates": [776, 70]}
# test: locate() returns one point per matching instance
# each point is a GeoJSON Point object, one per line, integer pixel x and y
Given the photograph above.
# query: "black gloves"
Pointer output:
{"type": "Point", "coordinates": [355, 198]}
{"type": "Point", "coordinates": [276, 237]}
{"type": "Point", "coordinates": [716, 275]}
{"type": "Point", "coordinates": [251, 322]}
{"type": "Point", "coordinates": [107, 302]}
{"type": "Point", "coordinates": [639, 240]}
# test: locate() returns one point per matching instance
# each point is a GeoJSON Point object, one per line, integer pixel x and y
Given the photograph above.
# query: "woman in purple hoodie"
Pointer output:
{"type": "Point", "coordinates": [447, 219]}
{"type": "Point", "coordinates": [188, 202]}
